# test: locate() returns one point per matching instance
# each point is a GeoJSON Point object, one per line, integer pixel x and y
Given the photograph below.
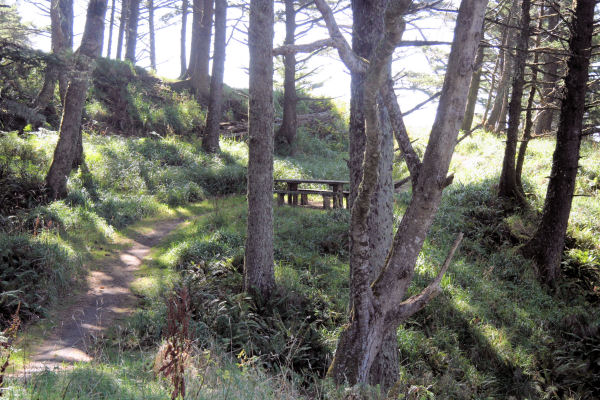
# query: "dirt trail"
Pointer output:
{"type": "Point", "coordinates": [108, 297]}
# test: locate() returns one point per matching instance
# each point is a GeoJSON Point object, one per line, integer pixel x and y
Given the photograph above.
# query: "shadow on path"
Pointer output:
{"type": "Point", "coordinates": [107, 298]}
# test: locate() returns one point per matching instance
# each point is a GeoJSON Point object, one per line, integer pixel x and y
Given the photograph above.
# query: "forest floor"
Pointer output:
{"type": "Point", "coordinates": [106, 298]}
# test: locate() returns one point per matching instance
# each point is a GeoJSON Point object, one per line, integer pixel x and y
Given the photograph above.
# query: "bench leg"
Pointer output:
{"type": "Point", "coordinates": [280, 199]}
{"type": "Point", "coordinates": [326, 202]}
{"type": "Point", "coordinates": [295, 200]}
{"type": "Point", "coordinates": [303, 199]}
{"type": "Point", "coordinates": [347, 197]}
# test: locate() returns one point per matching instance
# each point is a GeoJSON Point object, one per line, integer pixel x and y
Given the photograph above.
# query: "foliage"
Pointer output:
{"type": "Point", "coordinates": [33, 272]}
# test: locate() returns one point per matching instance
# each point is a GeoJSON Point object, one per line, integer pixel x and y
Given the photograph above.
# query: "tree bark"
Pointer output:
{"type": "Point", "coordinates": [199, 74]}
{"type": "Point", "coordinates": [508, 186]}
{"type": "Point", "coordinates": [67, 145]}
{"type": "Point", "coordinates": [258, 261]}
{"type": "Point", "coordinates": [504, 81]}
{"type": "Point", "coordinates": [61, 18]}
{"type": "Point", "coordinates": [122, 27]}
{"type": "Point", "coordinates": [286, 134]}
{"type": "Point", "coordinates": [132, 29]}
{"type": "Point", "coordinates": [368, 30]}
{"type": "Point", "coordinates": [152, 34]}
{"type": "Point", "coordinates": [378, 307]}
{"type": "Point", "coordinates": [473, 90]}
{"type": "Point", "coordinates": [548, 242]}
{"type": "Point", "coordinates": [549, 95]}
{"type": "Point", "coordinates": [183, 51]}
{"type": "Point", "coordinates": [529, 112]}
{"type": "Point", "coordinates": [210, 142]}
{"type": "Point", "coordinates": [110, 28]}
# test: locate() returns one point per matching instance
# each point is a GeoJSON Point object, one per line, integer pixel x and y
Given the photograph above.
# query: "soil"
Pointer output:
{"type": "Point", "coordinates": [108, 298]}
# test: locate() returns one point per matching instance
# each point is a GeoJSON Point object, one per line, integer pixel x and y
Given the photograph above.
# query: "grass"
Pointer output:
{"type": "Point", "coordinates": [494, 332]}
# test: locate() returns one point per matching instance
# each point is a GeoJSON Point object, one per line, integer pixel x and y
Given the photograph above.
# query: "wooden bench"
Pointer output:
{"type": "Point", "coordinates": [337, 193]}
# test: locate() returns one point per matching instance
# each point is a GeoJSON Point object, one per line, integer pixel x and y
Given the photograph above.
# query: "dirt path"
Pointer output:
{"type": "Point", "coordinates": [108, 297]}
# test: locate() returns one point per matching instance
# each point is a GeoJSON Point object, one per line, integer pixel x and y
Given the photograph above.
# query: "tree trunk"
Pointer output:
{"type": "Point", "coordinates": [259, 276]}
{"type": "Point", "coordinates": [529, 112]}
{"type": "Point", "coordinates": [548, 242]}
{"type": "Point", "coordinates": [504, 82]}
{"type": "Point", "coordinates": [122, 27]}
{"type": "Point", "coordinates": [508, 178]}
{"type": "Point", "coordinates": [183, 51]}
{"type": "Point", "coordinates": [473, 90]}
{"type": "Point", "coordinates": [152, 34]}
{"type": "Point", "coordinates": [61, 17]}
{"type": "Point", "coordinates": [550, 94]}
{"type": "Point", "coordinates": [197, 6]}
{"type": "Point", "coordinates": [110, 28]}
{"type": "Point", "coordinates": [286, 134]}
{"type": "Point", "coordinates": [210, 142]}
{"type": "Point", "coordinates": [501, 124]}
{"type": "Point", "coordinates": [132, 29]}
{"type": "Point", "coordinates": [66, 27]}
{"type": "Point", "coordinates": [67, 145]}
{"type": "Point", "coordinates": [379, 307]}
{"type": "Point", "coordinates": [368, 29]}
{"type": "Point", "coordinates": [199, 74]}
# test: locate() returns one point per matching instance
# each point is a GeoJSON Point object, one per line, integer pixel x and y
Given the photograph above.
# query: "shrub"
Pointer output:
{"type": "Point", "coordinates": [33, 273]}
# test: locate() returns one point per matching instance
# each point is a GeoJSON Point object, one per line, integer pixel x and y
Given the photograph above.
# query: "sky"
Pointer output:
{"type": "Point", "coordinates": [332, 77]}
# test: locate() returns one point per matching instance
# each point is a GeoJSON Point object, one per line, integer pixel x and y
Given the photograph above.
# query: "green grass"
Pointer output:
{"type": "Point", "coordinates": [494, 332]}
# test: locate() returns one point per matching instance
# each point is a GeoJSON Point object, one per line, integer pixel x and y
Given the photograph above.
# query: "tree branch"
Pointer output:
{"type": "Point", "coordinates": [288, 49]}
{"type": "Point", "coordinates": [415, 303]}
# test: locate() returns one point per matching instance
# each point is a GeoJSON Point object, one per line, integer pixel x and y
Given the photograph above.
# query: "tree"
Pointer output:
{"type": "Point", "coordinates": [550, 67]}
{"type": "Point", "coordinates": [151, 33]}
{"type": "Point", "coordinates": [508, 186]}
{"type": "Point", "coordinates": [61, 18]}
{"type": "Point", "coordinates": [367, 31]}
{"type": "Point", "coordinates": [378, 306]}
{"type": "Point", "coordinates": [473, 90]}
{"type": "Point", "coordinates": [210, 143]}
{"type": "Point", "coordinates": [497, 118]}
{"type": "Point", "coordinates": [89, 50]}
{"type": "Point", "coordinates": [182, 51]}
{"type": "Point", "coordinates": [200, 52]}
{"type": "Point", "coordinates": [547, 244]}
{"type": "Point", "coordinates": [122, 27]}
{"type": "Point", "coordinates": [110, 28]}
{"type": "Point", "coordinates": [258, 260]}
{"type": "Point", "coordinates": [132, 30]}
{"type": "Point", "coordinates": [285, 135]}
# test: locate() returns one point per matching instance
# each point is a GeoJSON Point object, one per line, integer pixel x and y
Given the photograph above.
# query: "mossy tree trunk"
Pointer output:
{"type": "Point", "coordinates": [547, 245]}
{"type": "Point", "coordinates": [210, 142]}
{"type": "Point", "coordinates": [70, 134]}
{"type": "Point", "coordinates": [378, 307]}
{"type": "Point", "coordinates": [508, 186]}
{"type": "Point", "coordinates": [368, 29]}
{"type": "Point", "coordinates": [259, 276]}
